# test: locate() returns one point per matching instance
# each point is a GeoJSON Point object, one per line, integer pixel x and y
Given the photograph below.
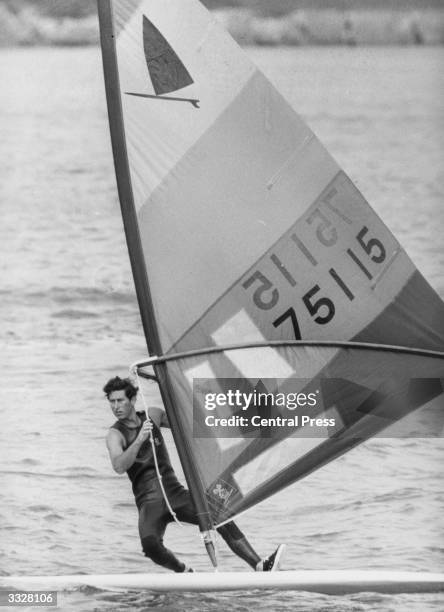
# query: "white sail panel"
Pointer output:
{"type": "Point", "coordinates": [241, 326]}
{"type": "Point", "coordinates": [159, 133]}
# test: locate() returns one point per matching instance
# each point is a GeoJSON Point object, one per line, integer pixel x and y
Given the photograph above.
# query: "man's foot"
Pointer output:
{"type": "Point", "coordinates": [271, 563]}
{"type": "Point", "coordinates": [186, 569]}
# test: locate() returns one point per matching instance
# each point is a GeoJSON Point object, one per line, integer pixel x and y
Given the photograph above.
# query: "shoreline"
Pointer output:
{"type": "Point", "coordinates": [306, 27]}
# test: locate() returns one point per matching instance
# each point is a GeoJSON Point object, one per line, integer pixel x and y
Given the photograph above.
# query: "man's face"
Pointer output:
{"type": "Point", "coordinates": [120, 404]}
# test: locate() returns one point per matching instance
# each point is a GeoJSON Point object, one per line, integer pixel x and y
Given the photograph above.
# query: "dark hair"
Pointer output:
{"type": "Point", "coordinates": [119, 384]}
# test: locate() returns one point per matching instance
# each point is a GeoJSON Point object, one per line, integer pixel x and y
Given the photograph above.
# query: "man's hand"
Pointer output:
{"type": "Point", "coordinates": [122, 459]}
{"type": "Point", "coordinates": [145, 431]}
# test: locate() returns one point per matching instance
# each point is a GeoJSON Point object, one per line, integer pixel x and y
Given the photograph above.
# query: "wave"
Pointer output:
{"type": "Point", "coordinates": [73, 295]}
{"type": "Point", "coordinates": [39, 508]}
{"type": "Point", "coordinates": [62, 476]}
{"type": "Point", "coordinates": [53, 516]}
{"type": "Point", "coordinates": [324, 536]}
{"type": "Point", "coordinates": [29, 461]}
{"type": "Point", "coordinates": [405, 493]}
{"type": "Point", "coordinates": [71, 313]}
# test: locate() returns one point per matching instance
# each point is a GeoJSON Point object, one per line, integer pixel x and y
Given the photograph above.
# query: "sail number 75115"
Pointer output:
{"type": "Point", "coordinates": [339, 245]}
{"type": "Point", "coordinates": [320, 307]}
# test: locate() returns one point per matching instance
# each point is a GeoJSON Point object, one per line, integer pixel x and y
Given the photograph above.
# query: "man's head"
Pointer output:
{"type": "Point", "coordinates": [121, 394]}
{"type": "Point", "coordinates": [120, 384]}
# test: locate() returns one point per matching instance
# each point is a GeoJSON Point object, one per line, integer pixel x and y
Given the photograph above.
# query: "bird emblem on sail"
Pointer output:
{"type": "Point", "coordinates": [218, 496]}
{"type": "Point", "coordinates": [166, 70]}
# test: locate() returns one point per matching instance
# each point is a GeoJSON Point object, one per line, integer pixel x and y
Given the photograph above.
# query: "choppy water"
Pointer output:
{"type": "Point", "coordinates": [70, 320]}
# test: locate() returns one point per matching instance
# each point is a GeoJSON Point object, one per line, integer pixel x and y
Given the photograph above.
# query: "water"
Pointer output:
{"type": "Point", "coordinates": [70, 321]}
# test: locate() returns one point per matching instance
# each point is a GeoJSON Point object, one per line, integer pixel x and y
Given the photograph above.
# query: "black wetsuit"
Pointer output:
{"type": "Point", "coordinates": [142, 473]}
{"type": "Point", "coordinates": [154, 515]}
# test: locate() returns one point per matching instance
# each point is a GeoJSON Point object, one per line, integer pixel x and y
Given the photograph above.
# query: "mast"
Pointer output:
{"type": "Point", "coordinates": [134, 244]}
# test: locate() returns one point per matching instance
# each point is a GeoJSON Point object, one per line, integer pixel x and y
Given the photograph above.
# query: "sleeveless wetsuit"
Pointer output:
{"type": "Point", "coordinates": [154, 515]}
{"type": "Point", "coordinates": [142, 473]}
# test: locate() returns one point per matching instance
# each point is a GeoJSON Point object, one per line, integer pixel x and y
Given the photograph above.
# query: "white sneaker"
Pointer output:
{"type": "Point", "coordinates": [271, 563]}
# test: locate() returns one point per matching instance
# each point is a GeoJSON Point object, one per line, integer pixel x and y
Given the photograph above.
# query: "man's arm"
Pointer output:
{"type": "Point", "coordinates": [121, 459]}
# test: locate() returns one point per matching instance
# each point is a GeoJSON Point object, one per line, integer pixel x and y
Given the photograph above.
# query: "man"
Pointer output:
{"type": "Point", "coordinates": [130, 451]}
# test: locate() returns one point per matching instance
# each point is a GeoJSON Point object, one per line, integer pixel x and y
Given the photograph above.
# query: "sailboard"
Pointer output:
{"type": "Point", "coordinates": [255, 260]}
{"type": "Point", "coordinates": [338, 582]}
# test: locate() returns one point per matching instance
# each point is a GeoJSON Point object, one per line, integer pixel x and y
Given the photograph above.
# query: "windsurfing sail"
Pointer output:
{"type": "Point", "coordinates": [256, 260]}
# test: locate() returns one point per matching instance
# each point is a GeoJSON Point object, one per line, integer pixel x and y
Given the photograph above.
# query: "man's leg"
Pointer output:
{"type": "Point", "coordinates": [239, 544]}
{"type": "Point", "coordinates": [153, 519]}
{"type": "Point", "coordinates": [230, 532]}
